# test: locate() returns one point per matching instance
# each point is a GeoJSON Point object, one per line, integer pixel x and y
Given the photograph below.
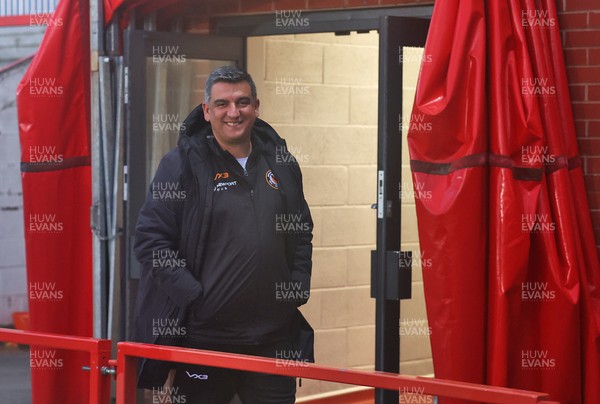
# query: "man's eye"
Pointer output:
{"type": "Point", "coordinates": [220, 104]}
{"type": "Point", "coordinates": [244, 103]}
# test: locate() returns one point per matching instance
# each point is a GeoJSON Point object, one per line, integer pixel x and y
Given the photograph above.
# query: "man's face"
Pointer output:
{"type": "Point", "coordinates": [231, 112]}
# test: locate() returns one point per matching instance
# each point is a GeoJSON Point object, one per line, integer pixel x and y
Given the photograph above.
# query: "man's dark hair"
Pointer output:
{"type": "Point", "coordinates": [228, 74]}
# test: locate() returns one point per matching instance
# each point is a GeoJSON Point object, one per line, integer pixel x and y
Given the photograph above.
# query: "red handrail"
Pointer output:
{"type": "Point", "coordinates": [99, 350]}
{"type": "Point", "coordinates": [128, 352]}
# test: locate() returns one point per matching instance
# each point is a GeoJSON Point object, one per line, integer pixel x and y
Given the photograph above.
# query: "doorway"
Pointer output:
{"type": "Point", "coordinates": [321, 92]}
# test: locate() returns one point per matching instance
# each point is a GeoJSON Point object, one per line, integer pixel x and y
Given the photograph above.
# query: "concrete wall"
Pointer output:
{"type": "Point", "coordinates": [15, 43]}
{"type": "Point", "coordinates": [320, 92]}
{"type": "Point", "coordinates": [19, 42]}
{"type": "Point", "coordinates": [13, 282]}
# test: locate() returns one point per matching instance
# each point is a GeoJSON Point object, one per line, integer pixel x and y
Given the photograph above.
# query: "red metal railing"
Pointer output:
{"type": "Point", "coordinates": [128, 352]}
{"type": "Point", "coordinates": [99, 350]}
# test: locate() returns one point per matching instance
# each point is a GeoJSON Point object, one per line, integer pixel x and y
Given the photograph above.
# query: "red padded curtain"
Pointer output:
{"type": "Point", "coordinates": [54, 126]}
{"type": "Point", "coordinates": [513, 294]}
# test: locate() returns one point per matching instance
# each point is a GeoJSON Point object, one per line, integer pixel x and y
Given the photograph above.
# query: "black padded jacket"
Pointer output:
{"type": "Point", "coordinates": [177, 228]}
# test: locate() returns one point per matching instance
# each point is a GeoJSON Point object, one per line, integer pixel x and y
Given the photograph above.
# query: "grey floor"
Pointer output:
{"type": "Point", "coordinates": [15, 376]}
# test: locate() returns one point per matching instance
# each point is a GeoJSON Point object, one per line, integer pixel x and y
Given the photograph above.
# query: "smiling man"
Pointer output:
{"type": "Point", "coordinates": [234, 276]}
{"type": "Point", "coordinates": [232, 110]}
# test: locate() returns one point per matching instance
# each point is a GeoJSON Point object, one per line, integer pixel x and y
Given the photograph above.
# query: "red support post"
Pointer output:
{"type": "Point", "coordinates": [99, 381]}
{"type": "Point", "coordinates": [126, 377]}
{"type": "Point", "coordinates": [98, 349]}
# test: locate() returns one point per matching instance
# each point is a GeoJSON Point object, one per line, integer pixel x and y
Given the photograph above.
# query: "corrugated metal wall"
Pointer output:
{"type": "Point", "coordinates": [26, 7]}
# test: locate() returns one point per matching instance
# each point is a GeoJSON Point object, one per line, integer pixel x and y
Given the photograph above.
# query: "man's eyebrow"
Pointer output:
{"type": "Point", "coordinates": [243, 98]}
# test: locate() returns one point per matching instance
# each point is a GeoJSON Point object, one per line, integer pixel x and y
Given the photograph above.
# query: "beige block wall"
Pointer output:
{"type": "Point", "coordinates": [319, 91]}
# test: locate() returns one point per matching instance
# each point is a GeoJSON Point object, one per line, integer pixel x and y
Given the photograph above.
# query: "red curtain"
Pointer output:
{"type": "Point", "coordinates": [54, 123]}
{"type": "Point", "coordinates": [513, 294]}
{"type": "Point", "coordinates": [53, 110]}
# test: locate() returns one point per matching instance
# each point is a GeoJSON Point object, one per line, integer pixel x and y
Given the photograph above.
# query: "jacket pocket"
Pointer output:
{"type": "Point", "coordinates": [168, 328]}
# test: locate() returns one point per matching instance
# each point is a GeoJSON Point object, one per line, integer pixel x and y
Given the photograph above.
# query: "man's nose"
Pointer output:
{"type": "Point", "coordinates": [233, 111]}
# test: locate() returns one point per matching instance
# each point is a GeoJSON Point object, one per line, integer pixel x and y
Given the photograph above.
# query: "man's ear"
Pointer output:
{"type": "Point", "coordinates": [256, 108]}
{"type": "Point", "coordinates": [206, 113]}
